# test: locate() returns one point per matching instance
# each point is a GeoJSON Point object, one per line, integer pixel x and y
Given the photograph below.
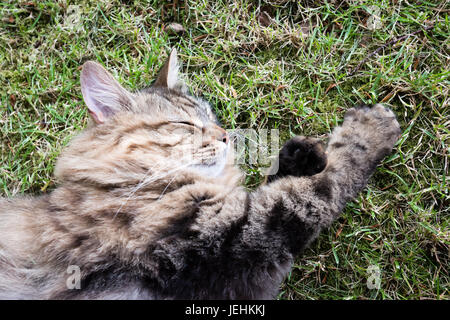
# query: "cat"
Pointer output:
{"type": "Point", "coordinates": [144, 212]}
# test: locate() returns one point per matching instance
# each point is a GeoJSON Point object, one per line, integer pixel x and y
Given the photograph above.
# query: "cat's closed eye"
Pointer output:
{"type": "Point", "coordinates": [187, 123]}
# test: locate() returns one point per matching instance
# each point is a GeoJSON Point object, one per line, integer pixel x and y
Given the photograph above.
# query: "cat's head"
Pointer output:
{"type": "Point", "coordinates": [158, 130]}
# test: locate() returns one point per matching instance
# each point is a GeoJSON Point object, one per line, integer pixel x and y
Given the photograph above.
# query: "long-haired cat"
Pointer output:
{"type": "Point", "coordinates": [146, 212]}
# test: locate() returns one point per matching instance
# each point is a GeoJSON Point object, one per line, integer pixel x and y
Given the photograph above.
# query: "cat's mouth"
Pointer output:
{"type": "Point", "coordinates": [213, 165]}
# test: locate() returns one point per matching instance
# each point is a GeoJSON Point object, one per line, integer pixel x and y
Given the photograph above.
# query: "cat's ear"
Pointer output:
{"type": "Point", "coordinates": [168, 76]}
{"type": "Point", "coordinates": [103, 95]}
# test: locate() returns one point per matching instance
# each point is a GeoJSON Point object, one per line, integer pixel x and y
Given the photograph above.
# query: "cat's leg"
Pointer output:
{"type": "Point", "coordinates": [300, 156]}
{"type": "Point", "coordinates": [290, 212]}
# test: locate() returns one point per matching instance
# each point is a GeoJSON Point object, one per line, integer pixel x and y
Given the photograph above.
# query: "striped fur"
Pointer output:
{"type": "Point", "coordinates": [144, 222]}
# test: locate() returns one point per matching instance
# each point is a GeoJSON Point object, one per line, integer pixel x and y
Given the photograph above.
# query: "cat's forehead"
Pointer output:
{"type": "Point", "coordinates": [175, 105]}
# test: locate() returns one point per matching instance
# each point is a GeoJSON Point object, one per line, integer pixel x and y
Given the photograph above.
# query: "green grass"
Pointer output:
{"type": "Point", "coordinates": [291, 74]}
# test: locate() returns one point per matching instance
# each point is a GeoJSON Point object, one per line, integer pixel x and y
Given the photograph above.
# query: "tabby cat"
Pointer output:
{"type": "Point", "coordinates": [145, 212]}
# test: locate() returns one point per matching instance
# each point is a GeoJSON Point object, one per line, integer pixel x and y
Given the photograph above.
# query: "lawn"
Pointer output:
{"type": "Point", "coordinates": [295, 66]}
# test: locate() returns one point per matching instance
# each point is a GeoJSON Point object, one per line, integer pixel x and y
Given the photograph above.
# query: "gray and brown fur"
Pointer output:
{"type": "Point", "coordinates": [142, 222]}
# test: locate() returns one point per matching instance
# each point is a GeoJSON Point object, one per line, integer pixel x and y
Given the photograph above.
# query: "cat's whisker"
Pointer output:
{"type": "Point", "coordinates": [144, 183]}
{"type": "Point", "coordinates": [162, 193]}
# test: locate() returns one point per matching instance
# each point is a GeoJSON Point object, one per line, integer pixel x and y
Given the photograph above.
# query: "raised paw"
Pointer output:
{"type": "Point", "coordinates": [371, 132]}
{"type": "Point", "coordinates": [378, 123]}
{"type": "Point", "coordinates": [300, 156]}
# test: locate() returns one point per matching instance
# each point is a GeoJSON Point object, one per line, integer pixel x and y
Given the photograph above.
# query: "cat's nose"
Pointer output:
{"type": "Point", "coordinates": [222, 135]}
{"type": "Point", "coordinates": [224, 138]}
{"type": "Point", "coordinates": [215, 133]}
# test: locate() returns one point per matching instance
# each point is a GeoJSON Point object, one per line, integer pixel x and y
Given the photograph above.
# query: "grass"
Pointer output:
{"type": "Point", "coordinates": [262, 64]}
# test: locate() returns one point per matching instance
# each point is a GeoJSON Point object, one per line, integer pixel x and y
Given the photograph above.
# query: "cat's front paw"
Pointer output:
{"type": "Point", "coordinates": [374, 129]}
{"type": "Point", "coordinates": [379, 121]}
{"type": "Point", "coordinates": [300, 156]}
